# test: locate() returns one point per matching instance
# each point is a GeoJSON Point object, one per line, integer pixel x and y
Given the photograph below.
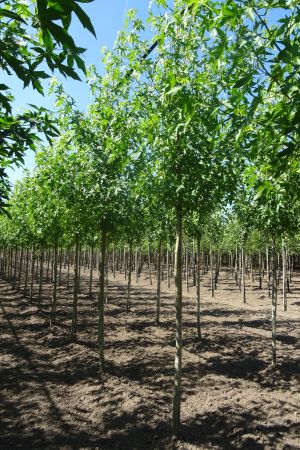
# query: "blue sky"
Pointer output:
{"type": "Point", "coordinates": [107, 17]}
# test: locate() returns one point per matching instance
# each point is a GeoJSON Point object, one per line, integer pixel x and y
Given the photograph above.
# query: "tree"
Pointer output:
{"type": "Point", "coordinates": [190, 147]}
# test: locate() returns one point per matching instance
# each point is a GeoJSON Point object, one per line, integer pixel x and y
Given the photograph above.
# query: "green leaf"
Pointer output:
{"type": "Point", "coordinates": [11, 15]}
{"type": "Point", "coordinates": [84, 18]}
{"type": "Point", "coordinates": [242, 81]}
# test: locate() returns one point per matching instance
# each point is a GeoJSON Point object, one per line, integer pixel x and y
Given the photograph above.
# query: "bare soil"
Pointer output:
{"type": "Point", "coordinates": [51, 395]}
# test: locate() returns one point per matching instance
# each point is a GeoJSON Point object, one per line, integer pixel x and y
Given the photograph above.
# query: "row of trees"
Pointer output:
{"type": "Point", "coordinates": [198, 131]}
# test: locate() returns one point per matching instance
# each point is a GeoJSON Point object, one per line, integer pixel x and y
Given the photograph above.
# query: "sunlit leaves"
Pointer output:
{"type": "Point", "coordinates": [33, 34]}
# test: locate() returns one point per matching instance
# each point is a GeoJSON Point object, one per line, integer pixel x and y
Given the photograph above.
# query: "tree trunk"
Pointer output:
{"type": "Point", "coordinates": [187, 266]}
{"type": "Point", "coordinates": [194, 265]}
{"type": "Point", "coordinates": [26, 272]}
{"type": "Point", "coordinates": [274, 305]}
{"type": "Point", "coordinates": [149, 263]}
{"type": "Point", "coordinates": [125, 266]}
{"type": "Point", "coordinates": [68, 269]}
{"type": "Point", "coordinates": [41, 277]}
{"type": "Point", "coordinates": [158, 284]}
{"type": "Point", "coordinates": [284, 299]}
{"type": "Point", "coordinates": [198, 288]}
{"type": "Point", "coordinates": [15, 267]}
{"type": "Point", "coordinates": [178, 337]}
{"type": "Point", "coordinates": [129, 278]}
{"type": "Point", "coordinates": [75, 291]}
{"type": "Point", "coordinates": [212, 273]}
{"type": "Point", "coordinates": [91, 272]}
{"type": "Point", "coordinates": [79, 269]}
{"type": "Point", "coordinates": [54, 290]}
{"type": "Point", "coordinates": [32, 275]}
{"type": "Point", "coordinates": [236, 266]}
{"type": "Point", "coordinates": [48, 257]}
{"type": "Point", "coordinates": [136, 267]}
{"type": "Point", "coordinates": [259, 268]}
{"type": "Point", "coordinates": [60, 264]}
{"type": "Point", "coordinates": [20, 268]}
{"type": "Point", "coordinates": [243, 275]}
{"type": "Point", "coordinates": [114, 262]}
{"type": "Point", "coordinates": [101, 304]}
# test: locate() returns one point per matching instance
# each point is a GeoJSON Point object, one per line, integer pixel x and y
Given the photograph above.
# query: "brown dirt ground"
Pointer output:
{"type": "Point", "coordinates": [51, 395]}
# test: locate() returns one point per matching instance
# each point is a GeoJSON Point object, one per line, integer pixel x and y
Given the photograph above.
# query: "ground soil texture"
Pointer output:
{"type": "Point", "coordinates": [51, 395]}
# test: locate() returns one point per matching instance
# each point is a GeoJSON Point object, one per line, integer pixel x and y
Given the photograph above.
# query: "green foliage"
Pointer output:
{"type": "Point", "coordinates": [34, 36]}
{"type": "Point", "coordinates": [205, 118]}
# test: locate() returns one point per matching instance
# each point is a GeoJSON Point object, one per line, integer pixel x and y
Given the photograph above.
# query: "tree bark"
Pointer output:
{"type": "Point", "coordinates": [158, 284]}
{"type": "Point", "coordinates": [91, 272]}
{"type": "Point", "coordinates": [54, 290]}
{"type": "Point", "coordinates": [75, 291]}
{"type": "Point", "coordinates": [41, 277]}
{"type": "Point", "coordinates": [114, 262]}
{"type": "Point", "coordinates": [274, 305]}
{"type": "Point", "coordinates": [284, 298]}
{"type": "Point", "coordinates": [136, 266]}
{"type": "Point", "coordinates": [212, 273]}
{"type": "Point", "coordinates": [32, 275]}
{"type": "Point", "coordinates": [26, 272]}
{"type": "Point", "coordinates": [129, 278]}
{"type": "Point", "coordinates": [198, 288]}
{"type": "Point", "coordinates": [187, 265]}
{"type": "Point", "coordinates": [243, 275]}
{"type": "Point", "coordinates": [178, 337]}
{"type": "Point", "coordinates": [149, 263]}
{"type": "Point", "coordinates": [101, 299]}
{"type": "Point", "coordinates": [20, 268]}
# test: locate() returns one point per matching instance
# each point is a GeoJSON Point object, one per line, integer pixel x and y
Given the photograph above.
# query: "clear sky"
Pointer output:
{"type": "Point", "coordinates": [107, 17]}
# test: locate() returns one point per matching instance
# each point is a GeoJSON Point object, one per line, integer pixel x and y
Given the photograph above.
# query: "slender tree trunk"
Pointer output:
{"type": "Point", "coordinates": [79, 269]}
{"type": "Point", "coordinates": [187, 265]}
{"type": "Point", "coordinates": [169, 267]}
{"type": "Point", "coordinates": [243, 274]}
{"type": "Point", "coordinates": [198, 288]}
{"type": "Point", "coordinates": [125, 265]}
{"type": "Point", "coordinates": [75, 291]}
{"type": "Point", "coordinates": [212, 273]}
{"type": "Point", "coordinates": [101, 299]}
{"type": "Point", "coordinates": [26, 272]}
{"type": "Point", "coordinates": [60, 264]}
{"type": "Point", "coordinates": [15, 267]}
{"type": "Point", "coordinates": [129, 278]}
{"type": "Point", "coordinates": [114, 262]}
{"type": "Point", "coordinates": [259, 268]}
{"type": "Point", "coordinates": [236, 266]}
{"type": "Point", "coordinates": [48, 258]}
{"type": "Point", "coordinates": [158, 283]}
{"type": "Point", "coordinates": [284, 298]}
{"type": "Point", "coordinates": [268, 270]}
{"type": "Point", "coordinates": [91, 272]}
{"type": "Point", "coordinates": [32, 275]}
{"type": "Point", "coordinates": [178, 336]}
{"type": "Point", "coordinates": [149, 264]}
{"type": "Point", "coordinates": [274, 305]}
{"type": "Point", "coordinates": [194, 265]}
{"type": "Point", "coordinates": [54, 289]}
{"type": "Point", "coordinates": [136, 266]}
{"type": "Point", "coordinates": [41, 277]}
{"type": "Point", "coordinates": [20, 268]}
{"type": "Point", "coordinates": [68, 269]}
{"type": "Point", "coordinates": [106, 277]}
